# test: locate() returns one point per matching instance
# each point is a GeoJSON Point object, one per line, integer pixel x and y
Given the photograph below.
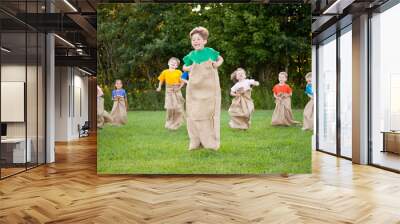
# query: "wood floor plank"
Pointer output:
{"type": "Point", "coordinates": [70, 191]}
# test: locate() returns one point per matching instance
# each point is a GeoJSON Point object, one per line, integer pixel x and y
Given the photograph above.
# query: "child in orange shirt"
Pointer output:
{"type": "Point", "coordinates": [283, 110]}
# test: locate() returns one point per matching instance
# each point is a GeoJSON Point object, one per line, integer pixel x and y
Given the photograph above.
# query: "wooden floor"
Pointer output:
{"type": "Point", "coordinates": [10, 171]}
{"type": "Point", "coordinates": [387, 159]}
{"type": "Point", "coordinates": [69, 191]}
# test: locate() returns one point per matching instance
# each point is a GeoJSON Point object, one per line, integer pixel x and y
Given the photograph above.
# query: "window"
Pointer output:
{"type": "Point", "coordinates": [327, 95]}
{"type": "Point", "coordinates": [385, 88]}
{"type": "Point", "coordinates": [22, 65]}
{"type": "Point", "coordinates": [346, 92]}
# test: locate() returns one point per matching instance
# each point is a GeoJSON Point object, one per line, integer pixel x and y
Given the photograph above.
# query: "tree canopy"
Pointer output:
{"type": "Point", "coordinates": [135, 41]}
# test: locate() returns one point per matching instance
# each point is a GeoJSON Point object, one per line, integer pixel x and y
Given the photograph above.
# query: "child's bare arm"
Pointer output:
{"type": "Point", "coordinates": [126, 103]}
{"type": "Point", "coordinates": [183, 82]}
{"type": "Point", "coordinates": [218, 62]}
{"type": "Point", "coordinates": [159, 86]}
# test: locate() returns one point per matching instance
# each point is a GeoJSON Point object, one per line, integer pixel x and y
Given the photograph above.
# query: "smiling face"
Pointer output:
{"type": "Point", "coordinates": [282, 78]}
{"type": "Point", "coordinates": [172, 64]}
{"type": "Point", "coordinates": [240, 75]}
{"type": "Point", "coordinates": [198, 42]}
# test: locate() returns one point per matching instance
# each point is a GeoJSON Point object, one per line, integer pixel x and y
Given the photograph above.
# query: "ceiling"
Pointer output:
{"type": "Point", "coordinates": [331, 14]}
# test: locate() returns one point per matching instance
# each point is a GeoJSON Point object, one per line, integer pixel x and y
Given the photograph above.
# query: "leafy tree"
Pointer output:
{"type": "Point", "coordinates": [136, 41]}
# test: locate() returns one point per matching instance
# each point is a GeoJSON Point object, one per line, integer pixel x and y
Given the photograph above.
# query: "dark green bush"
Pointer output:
{"type": "Point", "coordinates": [153, 100]}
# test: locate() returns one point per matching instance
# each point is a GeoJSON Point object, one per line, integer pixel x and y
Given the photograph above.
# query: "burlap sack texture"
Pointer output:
{"type": "Point", "coordinates": [175, 106]}
{"type": "Point", "coordinates": [203, 107]}
{"type": "Point", "coordinates": [308, 116]}
{"type": "Point", "coordinates": [118, 112]}
{"type": "Point", "coordinates": [102, 115]}
{"type": "Point", "coordinates": [283, 112]}
{"type": "Point", "coordinates": [240, 111]}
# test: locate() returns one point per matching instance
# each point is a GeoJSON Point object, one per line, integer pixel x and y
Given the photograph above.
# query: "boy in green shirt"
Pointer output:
{"type": "Point", "coordinates": [203, 93]}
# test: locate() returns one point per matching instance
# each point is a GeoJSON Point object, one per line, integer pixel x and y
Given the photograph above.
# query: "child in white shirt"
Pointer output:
{"type": "Point", "coordinates": [242, 105]}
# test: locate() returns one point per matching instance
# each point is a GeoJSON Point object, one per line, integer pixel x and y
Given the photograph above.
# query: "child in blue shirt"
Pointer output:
{"type": "Point", "coordinates": [120, 107]}
{"type": "Point", "coordinates": [308, 115]}
{"type": "Point", "coordinates": [185, 77]}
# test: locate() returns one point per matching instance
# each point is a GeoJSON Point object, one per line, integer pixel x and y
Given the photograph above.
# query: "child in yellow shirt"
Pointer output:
{"type": "Point", "coordinates": [174, 102]}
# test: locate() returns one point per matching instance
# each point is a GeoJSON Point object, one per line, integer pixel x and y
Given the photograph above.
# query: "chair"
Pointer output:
{"type": "Point", "coordinates": [84, 130]}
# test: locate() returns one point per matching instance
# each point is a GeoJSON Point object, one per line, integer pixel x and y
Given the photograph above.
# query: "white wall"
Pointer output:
{"type": "Point", "coordinates": [61, 103]}
{"type": "Point", "coordinates": [71, 93]}
{"type": "Point", "coordinates": [81, 88]}
{"type": "Point", "coordinates": [14, 73]}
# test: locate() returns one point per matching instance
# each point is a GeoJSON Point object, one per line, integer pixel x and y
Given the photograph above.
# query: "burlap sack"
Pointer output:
{"type": "Point", "coordinates": [308, 116]}
{"type": "Point", "coordinates": [102, 115]}
{"type": "Point", "coordinates": [283, 112]}
{"type": "Point", "coordinates": [203, 107]}
{"type": "Point", "coordinates": [118, 112]}
{"type": "Point", "coordinates": [240, 111]}
{"type": "Point", "coordinates": [174, 104]}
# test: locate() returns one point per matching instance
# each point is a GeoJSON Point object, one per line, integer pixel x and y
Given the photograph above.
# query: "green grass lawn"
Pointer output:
{"type": "Point", "coordinates": [144, 146]}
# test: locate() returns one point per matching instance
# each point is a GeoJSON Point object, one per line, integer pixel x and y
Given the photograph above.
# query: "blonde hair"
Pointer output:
{"type": "Point", "coordinates": [308, 75]}
{"type": "Point", "coordinates": [234, 73]}
{"type": "Point", "coordinates": [203, 32]}
{"type": "Point", "coordinates": [175, 59]}
{"type": "Point", "coordinates": [283, 73]}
